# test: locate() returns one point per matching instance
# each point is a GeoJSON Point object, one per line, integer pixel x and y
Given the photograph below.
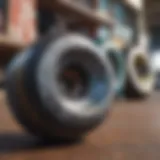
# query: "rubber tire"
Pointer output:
{"type": "Point", "coordinates": [43, 115]}
{"type": "Point", "coordinates": [120, 74]}
{"type": "Point", "coordinates": [134, 88]}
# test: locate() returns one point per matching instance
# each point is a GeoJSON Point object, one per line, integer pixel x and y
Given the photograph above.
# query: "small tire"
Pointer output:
{"type": "Point", "coordinates": [140, 76]}
{"type": "Point", "coordinates": [115, 56]}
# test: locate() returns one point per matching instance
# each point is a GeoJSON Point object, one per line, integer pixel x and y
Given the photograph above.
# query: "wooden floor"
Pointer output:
{"type": "Point", "coordinates": [132, 132]}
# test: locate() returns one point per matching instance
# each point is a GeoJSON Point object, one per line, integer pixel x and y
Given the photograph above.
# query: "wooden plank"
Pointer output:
{"type": "Point", "coordinates": [8, 48]}
{"type": "Point", "coordinates": [22, 20]}
{"type": "Point", "coordinates": [19, 26]}
{"type": "Point", "coordinates": [6, 40]}
{"type": "Point", "coordinates": [69, 8]}
{"type": "Point", "coordinates": [152, 12]}
{"type": "Point", "coordinates": [131, 132]}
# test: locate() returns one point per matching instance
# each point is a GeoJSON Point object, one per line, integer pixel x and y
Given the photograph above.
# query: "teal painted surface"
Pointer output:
{"type": "Point", "coordinates": [104, 5]}
{"type": "Point", "coordinates": [103, 35]}
{"type": "Point", "coordinates": [119, 13]}
{"type": "Point", "coordinates": [120, 70]}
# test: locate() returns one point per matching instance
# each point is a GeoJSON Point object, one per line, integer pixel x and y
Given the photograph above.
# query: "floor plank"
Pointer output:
{"type": "Point", "coordinates": [131, 132]}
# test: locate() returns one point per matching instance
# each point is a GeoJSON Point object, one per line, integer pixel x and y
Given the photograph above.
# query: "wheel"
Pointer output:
{"type": "Point", "coordinates": [140, 76]}
{"type": "Point", "coordinates": [116, 58]}
{"type": "Point", "coordinates": [61, 87]}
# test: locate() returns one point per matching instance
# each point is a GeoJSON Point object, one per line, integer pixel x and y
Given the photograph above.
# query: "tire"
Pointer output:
{"type": "Point", "coordinates": [20, 105]}
{"type": "Point", "coordinates": [37, 98]}
{"type": "Point", "coordinates": [117, 61]}
{"type": "Point", "coordinates": [140, 76]}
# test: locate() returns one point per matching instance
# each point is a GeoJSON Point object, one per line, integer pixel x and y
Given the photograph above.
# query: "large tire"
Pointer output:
{"type": "Point", "coordinates": [116, 58]}
{"type": "Point", "coordinates": [37, 98]}
{"type": "Point", "coordinates": [140, 76]}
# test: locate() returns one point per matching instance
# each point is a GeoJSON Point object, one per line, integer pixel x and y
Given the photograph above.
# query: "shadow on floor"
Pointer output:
{"type": "Point", "coordinates": [13, 142]}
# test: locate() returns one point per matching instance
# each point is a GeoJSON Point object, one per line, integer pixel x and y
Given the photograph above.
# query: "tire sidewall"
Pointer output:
{"type": "Point", "coordinates": [132, 74]}
{"type": "Point", "coordinates": [49, 93]}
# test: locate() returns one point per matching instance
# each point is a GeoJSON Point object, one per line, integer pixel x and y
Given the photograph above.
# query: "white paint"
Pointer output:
{"type": "Point", "coordinates": [155, 61]}
{"type": "Point", "coordinates": [136, 3]}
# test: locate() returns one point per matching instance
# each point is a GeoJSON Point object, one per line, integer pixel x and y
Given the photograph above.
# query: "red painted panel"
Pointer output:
{"type": "Point", "coordinates": [22, 21]}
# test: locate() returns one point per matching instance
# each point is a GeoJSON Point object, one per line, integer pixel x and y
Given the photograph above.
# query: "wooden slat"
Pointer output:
{"type": "Point", "coordinates": [9, 42]}
{"type": "Point", "coordinates": [87, 15]}
{"type": "Point", "coordinates": [152, 10]}
{"type": "Point", "coordinates": [8, 48]}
